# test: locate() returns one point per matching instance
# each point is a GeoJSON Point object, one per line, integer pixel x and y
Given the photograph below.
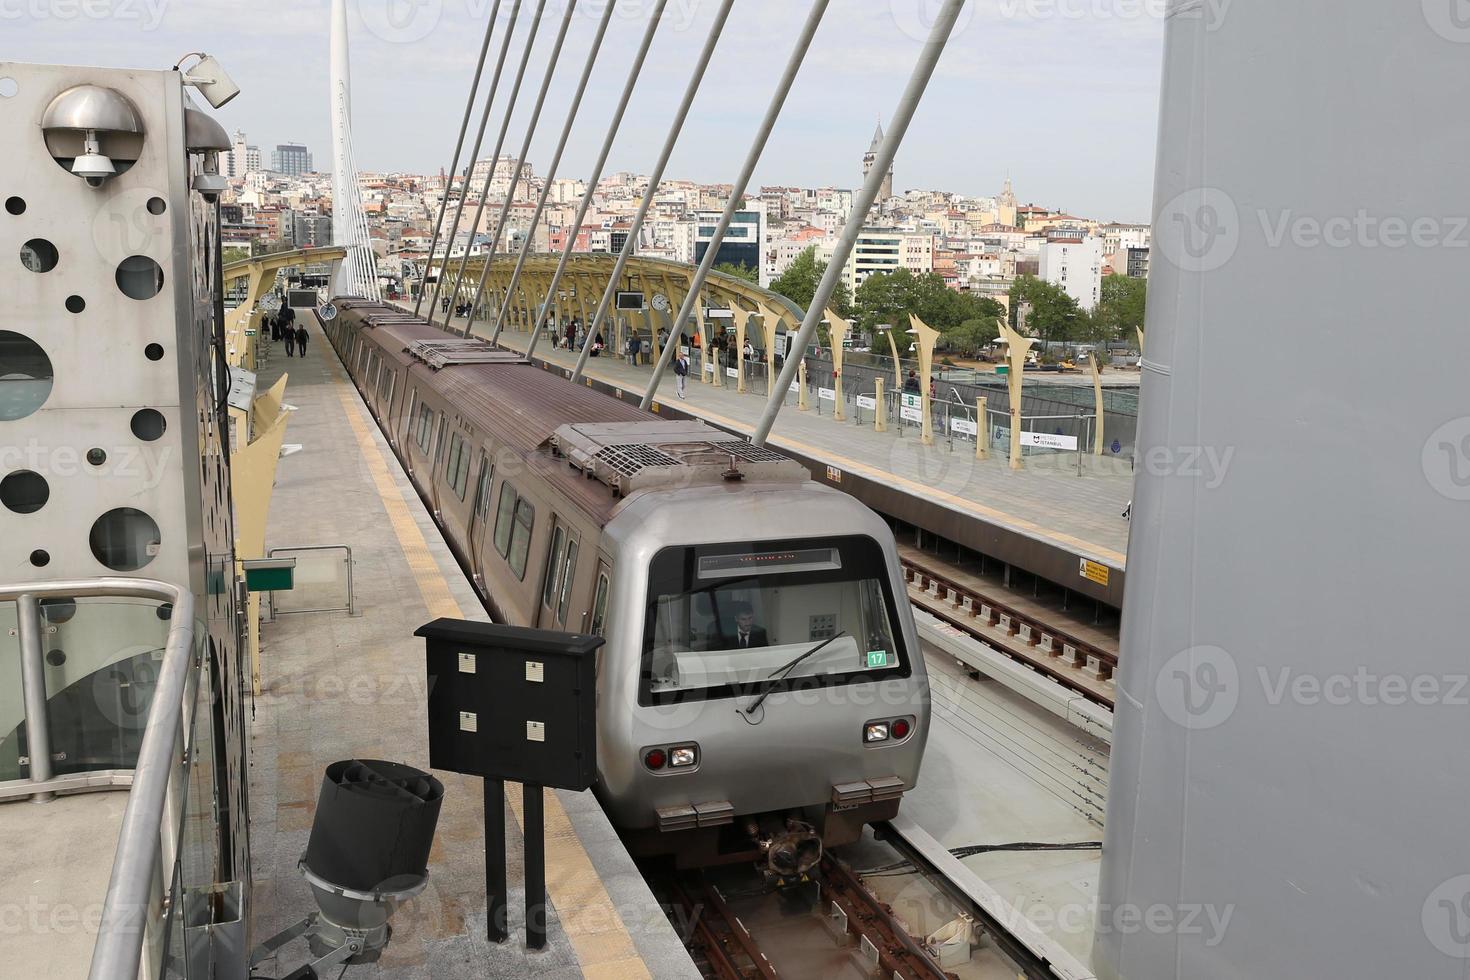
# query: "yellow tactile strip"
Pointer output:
{"type": "Point", "coordinates": [598, 935]}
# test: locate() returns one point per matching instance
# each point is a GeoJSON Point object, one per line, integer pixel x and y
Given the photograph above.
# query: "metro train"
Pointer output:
{"type": "Point", "coordinates": [761, 691]}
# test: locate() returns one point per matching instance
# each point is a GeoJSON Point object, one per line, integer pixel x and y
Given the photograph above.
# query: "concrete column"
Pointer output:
{"type": "Point", "coordinates": [801, 404]}
{"type": "Point", "coordinates": [880, 414]}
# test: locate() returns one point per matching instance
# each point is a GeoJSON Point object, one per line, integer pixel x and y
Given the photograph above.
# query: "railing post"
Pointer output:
{"type": "Point", "coordinates": [33, 688]}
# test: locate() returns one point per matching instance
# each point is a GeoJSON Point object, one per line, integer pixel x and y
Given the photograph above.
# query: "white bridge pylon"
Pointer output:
{"type": "Point", "coordinates": [358, 274]}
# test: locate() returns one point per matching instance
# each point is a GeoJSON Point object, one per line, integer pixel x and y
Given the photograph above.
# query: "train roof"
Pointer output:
{"type": "Point", "coordinates": [613, 447]}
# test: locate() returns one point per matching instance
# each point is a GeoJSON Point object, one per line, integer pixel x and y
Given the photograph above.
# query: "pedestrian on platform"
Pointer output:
{"type": "Point", "coordinates": [301, 338]}
{"type": "Point", "coordinates": [632, 349]}
{"type": "Point", "coordinates": [290, 336]}
{"type": "Point", "coordinates": [597, 344]}
{"type": "Point", "coordinates": [911, 384]}
{"type": "Point", "coordinates": [681, 372]}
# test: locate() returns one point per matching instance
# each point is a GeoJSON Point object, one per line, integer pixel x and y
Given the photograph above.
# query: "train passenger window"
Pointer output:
{"type": "Point", "coordinates": [439, 441]}
{"type": "Point", "coordinates": [722, 618]}
{"type": "Point", "coordinates": [504, 517]}
{"type": "Point", "coordinates": [599, 601]}
{"type": "Point", "coordinates": [554, 556]}
{"type": "Point", "coordinates": [520, 538]}
{"type": "Point", "coordinates": [385, 388]}
{"type": "Point", "coordinates": [482, 489]}
{"type": "Point", "coordinates": [457, 473]}
{"type": "Point", "coordinates": [426, 422]}
{"type": "Point", "coordinates": [566, 583]}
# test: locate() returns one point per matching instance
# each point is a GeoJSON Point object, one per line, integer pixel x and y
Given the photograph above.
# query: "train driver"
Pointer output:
{"type": "Point", "coordinates": [744, 635]}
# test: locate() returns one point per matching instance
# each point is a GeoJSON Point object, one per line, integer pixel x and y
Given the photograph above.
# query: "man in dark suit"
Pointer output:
{"type": "Point", "coordinates": [744, 635]}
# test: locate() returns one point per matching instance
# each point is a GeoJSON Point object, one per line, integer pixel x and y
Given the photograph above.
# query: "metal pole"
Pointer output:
{"type": "Point", "coordinates": [510, 108]}
{"type": "Point", "coordinates": [592, 182]}
{"type": "Point", "coordinates": [566, 131]}
{"type": "Point", "coordinates": [510, 28]}
{"type": "Point", "coordinates": [903, 115]}
{"type": "Point", "coordinates": [469, 105]}
{"type": "Point", "coordinates": [33, 689]}
{"type": "Point", "coordinates": [737, 194]}
{"type": "Point", "coordinates": [690, 91]}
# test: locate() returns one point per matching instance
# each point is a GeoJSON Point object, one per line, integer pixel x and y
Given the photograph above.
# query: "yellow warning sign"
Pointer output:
{"type": "Point", "coordinates": [1094, 572]}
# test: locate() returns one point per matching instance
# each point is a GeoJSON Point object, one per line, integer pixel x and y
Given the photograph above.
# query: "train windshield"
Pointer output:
{"type": "Point", "coordinates": [723, 620]}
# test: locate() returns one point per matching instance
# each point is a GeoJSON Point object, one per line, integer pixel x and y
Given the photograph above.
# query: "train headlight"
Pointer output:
{"type": "Point", "coordinates": [682, 757]}
{"type": "Point", "coordinates": [875, 731]}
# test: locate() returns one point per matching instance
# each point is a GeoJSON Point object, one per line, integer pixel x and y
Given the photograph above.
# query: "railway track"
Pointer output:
{"type": "Point", "coordinates": [840, 929]}
{"type": "Point", "coordinates": [1075, 663]}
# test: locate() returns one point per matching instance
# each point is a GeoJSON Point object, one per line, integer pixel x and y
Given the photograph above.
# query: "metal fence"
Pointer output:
{"type": "Point", "coordinates": [323, 582]}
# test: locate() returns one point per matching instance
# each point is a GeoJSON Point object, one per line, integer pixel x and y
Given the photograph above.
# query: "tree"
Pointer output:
{"type": "Point", "coordinates": [1120, 308]}
{"type": "Point", "coordinates": [234, 253]}
{"type": "Point", "coordinates": [967, 338]}
{"type": "Point", "coordinates": [799, 283]}
{"type": "Point", "coordinates": [739, 270]}
{"type": "Point", "coordinates": [1054, 315]}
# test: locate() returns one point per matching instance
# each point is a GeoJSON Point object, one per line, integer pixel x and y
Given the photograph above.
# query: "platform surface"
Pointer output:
{"type": "Point", "coordinates": [1047, 500]}
{"type": "Point", "coordinates": [338, 686]}
{"type": "Point", "coordinates": [54, 869]}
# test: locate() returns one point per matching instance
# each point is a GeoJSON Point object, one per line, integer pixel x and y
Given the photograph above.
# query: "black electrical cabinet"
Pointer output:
{"type": "Point", "coordinates": [513, 704]}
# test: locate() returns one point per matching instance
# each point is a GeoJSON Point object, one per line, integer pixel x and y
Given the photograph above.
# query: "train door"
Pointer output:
{"type": "Point", "coordinates": [441, 436]}
{"type": "Point", "coordinates": [561, 567]}
{"type": "Point", "coordinates": [478, 513]}
{"type": "Point", "coordinates": [410, 407]}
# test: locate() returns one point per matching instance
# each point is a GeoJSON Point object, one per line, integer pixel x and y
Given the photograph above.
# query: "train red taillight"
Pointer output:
{"type": "Point", "coordinates": [654, 759]}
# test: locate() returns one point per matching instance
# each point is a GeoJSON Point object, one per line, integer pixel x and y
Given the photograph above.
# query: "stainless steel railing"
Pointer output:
{"type": "Point", "coordinates": [119, 947]}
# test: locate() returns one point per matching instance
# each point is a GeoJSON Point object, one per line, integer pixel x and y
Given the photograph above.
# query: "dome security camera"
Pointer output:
{"type": "Point", "coordinates": [92, 166]}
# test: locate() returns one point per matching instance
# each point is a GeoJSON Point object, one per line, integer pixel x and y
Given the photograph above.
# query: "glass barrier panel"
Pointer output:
{"type": "Point", "coordinates": [12, 699]}
{"type": "Point", "coordinates": [321, 582]}
{"type": "Point", "coordinates": [103, 657]}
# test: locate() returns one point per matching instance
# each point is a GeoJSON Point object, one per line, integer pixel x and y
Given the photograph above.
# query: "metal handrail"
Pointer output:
{"type": "Point", "coordinates": [119, 947]}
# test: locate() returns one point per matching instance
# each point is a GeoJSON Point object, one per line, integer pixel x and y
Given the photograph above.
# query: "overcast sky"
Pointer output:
{"type": "Point", "coordinates": [1060, 94]}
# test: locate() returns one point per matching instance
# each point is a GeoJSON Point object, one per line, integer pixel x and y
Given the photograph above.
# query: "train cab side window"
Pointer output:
{"type": "Point", "coordinates": [599, 601]}
{"type": "Point", "coordinates": [504, 516]}
{"type": "Point", "coordinates": [520, 537]}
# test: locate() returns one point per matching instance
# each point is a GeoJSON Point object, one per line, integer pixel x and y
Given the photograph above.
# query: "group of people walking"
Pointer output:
{"type": "Point", "coordinates": [283, 326]}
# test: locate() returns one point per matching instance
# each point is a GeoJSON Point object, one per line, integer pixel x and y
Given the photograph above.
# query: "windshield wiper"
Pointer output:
{"type": "Point", "coordinates": [781, 671]}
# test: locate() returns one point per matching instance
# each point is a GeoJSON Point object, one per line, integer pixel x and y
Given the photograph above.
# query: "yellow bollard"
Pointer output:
{"type": "Point", "coordinates": [801, 386]}
{"type": "Point", "coordinates": [880, 413]}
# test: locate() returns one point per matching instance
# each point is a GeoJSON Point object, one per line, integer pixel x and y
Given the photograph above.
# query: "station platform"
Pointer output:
{"type": "Point", "coordinates": [1042, 518]}
{"type": "Point", "coordinates": [337, 685]}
